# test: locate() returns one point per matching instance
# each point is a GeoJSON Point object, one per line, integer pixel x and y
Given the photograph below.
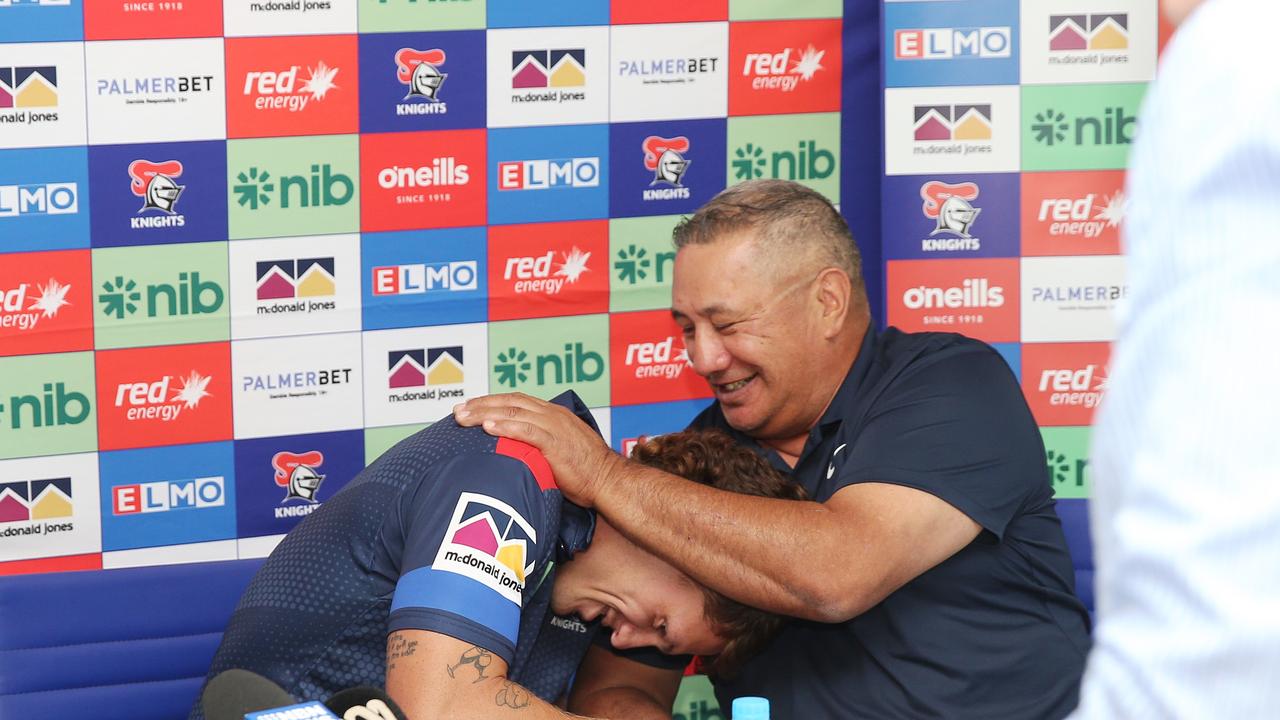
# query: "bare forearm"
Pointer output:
{"type": "Point", "coordinates": [620, 703]}
{"type": "Point", "coordinates": [763, 552]}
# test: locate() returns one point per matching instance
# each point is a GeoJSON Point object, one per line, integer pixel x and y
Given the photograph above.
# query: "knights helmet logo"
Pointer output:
{"type": "Point", "coordinates": [664, 157]}
{"type": "Point", "coordinates": [154, 183]}
{"type": "Point", "coordinates": [419, 69]}
{"type": "Point", "coordinates": [949, 205]}
{"type": "Point", "coordinates": [297, 473]}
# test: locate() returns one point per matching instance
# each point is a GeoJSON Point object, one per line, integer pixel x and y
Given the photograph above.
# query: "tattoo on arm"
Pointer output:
{"type": "Point", "coordinates": [512, 695]}
{"type": "Point", "coordinates": [476, 656]}
{"type": "Point", "coordinates": [398, 647]}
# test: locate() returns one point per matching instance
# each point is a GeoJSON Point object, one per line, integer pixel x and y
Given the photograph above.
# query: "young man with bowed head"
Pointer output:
{"type": "Point", "coordinates": [452, 572]}
{"type": "Point", "coordinates": [931, 578]}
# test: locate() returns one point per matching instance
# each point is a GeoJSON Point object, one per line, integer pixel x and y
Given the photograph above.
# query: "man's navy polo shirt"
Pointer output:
{"type": "Point", "coordinates": [993, 632]}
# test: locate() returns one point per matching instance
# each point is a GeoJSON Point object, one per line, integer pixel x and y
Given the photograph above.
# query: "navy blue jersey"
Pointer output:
{"type": "Point", "coordinates": [452, 531]}
{"type": "Point", "coordinates": [995, 631]}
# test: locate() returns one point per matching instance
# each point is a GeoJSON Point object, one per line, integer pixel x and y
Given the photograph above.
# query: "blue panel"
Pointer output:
{"type": "Point", "coordinates": [522, 13]}
{"type": "Point", "coordinates": [964, 42]}
{"type": "Point", "coordinates": [634, 421]}
{"type": "Point", "coordinates": [264, 505]}
{"type": "Point", "coordinates": [122, 212]}
{"type": "Point", "coordinates": [424, 277]}
{"type": "Point", "coordinates": [41, 21]}
{"type": "Point", "coordinates": [1012, 354]}
{"type": "Point", "coordinates": [525, 180]}
{"type": "Point", "coordinates": [453, 593]}
{"type": "Point", "coordinates": [952, 216]}
{"type": "Point", "coordinates": [861, 110]}
{"type": "Point", "coordinates": [386, 66]}
{"type": "Point", "coordinates": [44, 199]}
{"type": "Point", "coordinates": [637, 188]}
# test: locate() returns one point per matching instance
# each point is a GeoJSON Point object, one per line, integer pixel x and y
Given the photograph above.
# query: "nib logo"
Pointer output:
{"type": "Point", "coordinates": [1085, 217]}
{"type": "Point", "coordinates": [634, 265]}
{"type": "Point", "coordinates": [297, 473]}
{"type": "Point", "coordinates": [420, 71]}
{"type": "Point", "coordinates": [45, 302]}
{"type": "Point", "coordinates": [657, 359]}
{"type": "Point", "coordinates": [189, 296]}
{"type": "Point", "coordinates": [1065, 474]}
{"type": "Point", "coordinates": [577, 364]}
{"type": "Point", "coordinates": [164, 399]}
{"type": "Point", "coordinates": [322, 188]}
{"type": "Point", "coordinates": [807, 162]}
{"type": "Point", "coordinates": [784, 70]}
{"type": "Point", "coordinates": [53, 407]}
{"type": "Point", "coordinates": [282, 90]}
{"type": "Point", "coordinates": [533, 274]}
{"type": "Point", "coordinates": [1114, 127]}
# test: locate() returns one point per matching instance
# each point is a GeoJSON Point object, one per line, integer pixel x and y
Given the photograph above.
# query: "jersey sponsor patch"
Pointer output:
{"type": "Point", "coordinates": [490, 542]}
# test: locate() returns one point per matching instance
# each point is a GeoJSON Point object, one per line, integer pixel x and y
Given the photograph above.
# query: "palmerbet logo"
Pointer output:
{"type": "Point", "coordinates": [39, 199]}
{"type": "Point", "coordinates": [163, 496]}
{"type": "Point", "coordinates": [419, 71]}
{"type": "Point", "coordinates": [321, 188]}
{"type": "Point", "coordinates": [577, 364]}
{"type": "Point", "coordinates": [421, 278]}
{"type": "Point", "coordinates": [23, 309]}
{"type": "Point", "coordinates": [806, 162]}
{"type": "Point", "coordinates": [161, 400]}
{"type": "Point", "coordinates": [123, 296]}
{"type": "Point", "coordinates": [1114, 127]}
{"type": "Point", "coordinates": [634, 265]}
{"type": "Point", "coordinates": [54, 406]}
{"type": "Point", "coordinates": [156, 184]}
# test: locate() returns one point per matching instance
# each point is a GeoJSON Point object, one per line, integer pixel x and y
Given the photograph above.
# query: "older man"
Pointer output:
{"type": "Point", "coordinates": [931, 578]}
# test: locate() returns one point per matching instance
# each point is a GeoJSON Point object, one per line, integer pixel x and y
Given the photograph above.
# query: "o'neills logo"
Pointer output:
{"type": "Point", "coordinates": [972, 293]}
{"type": "Point", "coordinates": [442, 171]}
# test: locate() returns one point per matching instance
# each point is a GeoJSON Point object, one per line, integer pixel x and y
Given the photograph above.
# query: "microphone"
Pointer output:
{"type": "Point", "coordinates": [242, 695]}
{"type": "Point", "coordinates": [365, 703]}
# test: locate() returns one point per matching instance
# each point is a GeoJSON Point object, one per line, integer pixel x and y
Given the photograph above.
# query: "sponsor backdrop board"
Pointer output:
{"type": "Point", "coordinates": [231, 279]}
{"type": "Point", "coordinates": [1007, 128]}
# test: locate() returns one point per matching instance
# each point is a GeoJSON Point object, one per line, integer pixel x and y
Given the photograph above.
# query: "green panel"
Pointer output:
{"type": "Point", "coordinates": [696, 700]}
{"type": "Point", "coordinates": [1079, 127]}
{"type": "Point", "coordinates": [380, 440]}
{"type": "Point", "coordinates": [545, 357]}
{"type": "Point", "coordinates": [47, 405]}
{"type": "Point", "coordinates": [641, 259]}
{"type": "Point", "coordinates": [784, 9]}
{"type": "Point", "coordinates": [1067, 455]}
{"type": "Point", "coordinates": [412, 15]}
{"type": "Point", "coordinates": [802, 147]}
{"type": "Point", "coordinates": [161, 295]}
{"type": "Point", "coordinates": [279, 187]}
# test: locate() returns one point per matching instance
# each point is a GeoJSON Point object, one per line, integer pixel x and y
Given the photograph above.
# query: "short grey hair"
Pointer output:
{"type": "Point", "coordinates": [787, 219]}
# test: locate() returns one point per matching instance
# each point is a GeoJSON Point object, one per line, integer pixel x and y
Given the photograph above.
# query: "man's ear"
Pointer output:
{"type": "Point", "coordinates": [835, 296]}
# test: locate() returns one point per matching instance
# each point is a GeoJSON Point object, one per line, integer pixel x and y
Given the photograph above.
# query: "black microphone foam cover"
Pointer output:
{"type": "Point", "coordinates": [233, 693]}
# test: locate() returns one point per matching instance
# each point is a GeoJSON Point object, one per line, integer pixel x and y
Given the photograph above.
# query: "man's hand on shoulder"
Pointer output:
{"type": "Point", "coordinates": [581, 461]}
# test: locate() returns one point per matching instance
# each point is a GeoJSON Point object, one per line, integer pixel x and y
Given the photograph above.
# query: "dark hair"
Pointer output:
{"type": "Point", "coordinates": [712, 458]}
{"type": "Point", "coordinates": [787, 219]}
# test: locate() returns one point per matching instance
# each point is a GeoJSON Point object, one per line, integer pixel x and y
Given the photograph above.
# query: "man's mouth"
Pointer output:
{"type": "Point", "coordinates": [736, 385]}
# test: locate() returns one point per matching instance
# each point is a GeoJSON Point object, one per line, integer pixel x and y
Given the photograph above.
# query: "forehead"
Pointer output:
{"type": "Point", "coordinates": [728, 273]}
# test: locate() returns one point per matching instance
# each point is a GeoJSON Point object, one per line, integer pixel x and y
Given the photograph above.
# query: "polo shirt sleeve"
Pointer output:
{"type": "Point", "coordinates": [954, 425]}
{"type": "Point", "coordinates": [472, 535]}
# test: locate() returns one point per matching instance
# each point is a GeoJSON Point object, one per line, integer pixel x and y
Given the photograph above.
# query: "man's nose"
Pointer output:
{"type": "Point", "coordinates": [708, 354]}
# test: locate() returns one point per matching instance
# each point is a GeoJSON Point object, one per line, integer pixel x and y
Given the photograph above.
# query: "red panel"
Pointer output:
{"type": "Point", "coordinates": [422, 180]}
{"type": "Point", "coordinates": [626, 12]}
{"type": "Point", "coordinates": [784, 67]}
{"type": "Point", "coordinates": [46, 302]}
{"type": "Point", "coordinates": [649, 362]}
{"type": "Point", "coordinates": [1072, 213]}
{"type": "Point", "coordinates": [978, 298]}
{"type": "Point", "coordinates": [67, 563]}
{"type": "Point", "coordinates": [151, 19]}
{"type": "Point", "coordinates": [164, 396]}
{"type": "Point", "coordinates": [1064, 382]}
{"type": "Point", "coordinates": [548, 269]}
{"type": "Point", "coordinates": [281, 86]}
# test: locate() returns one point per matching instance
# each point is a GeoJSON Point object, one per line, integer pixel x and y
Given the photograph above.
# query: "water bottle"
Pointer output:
{"type": "Point", "coordinates": [750, 708]}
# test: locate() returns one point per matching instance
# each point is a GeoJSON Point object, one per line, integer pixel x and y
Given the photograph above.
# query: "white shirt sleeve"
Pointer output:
{"type": "Point", "coordinates": [1186, 506]}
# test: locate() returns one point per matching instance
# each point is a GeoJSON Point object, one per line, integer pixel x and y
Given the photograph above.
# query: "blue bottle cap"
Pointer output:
{"type": "Point", "coordinates": [750, 708]}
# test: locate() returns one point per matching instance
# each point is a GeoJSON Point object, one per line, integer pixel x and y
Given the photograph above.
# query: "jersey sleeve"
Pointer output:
{"type": "Point", "coordinates": [472, 536]}
{"type": "Point", "coordinates": [957, 428]}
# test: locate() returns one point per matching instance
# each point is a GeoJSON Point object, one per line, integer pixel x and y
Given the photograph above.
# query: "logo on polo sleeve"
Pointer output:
{"type": "Point", "coordinates": [490, 542]}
